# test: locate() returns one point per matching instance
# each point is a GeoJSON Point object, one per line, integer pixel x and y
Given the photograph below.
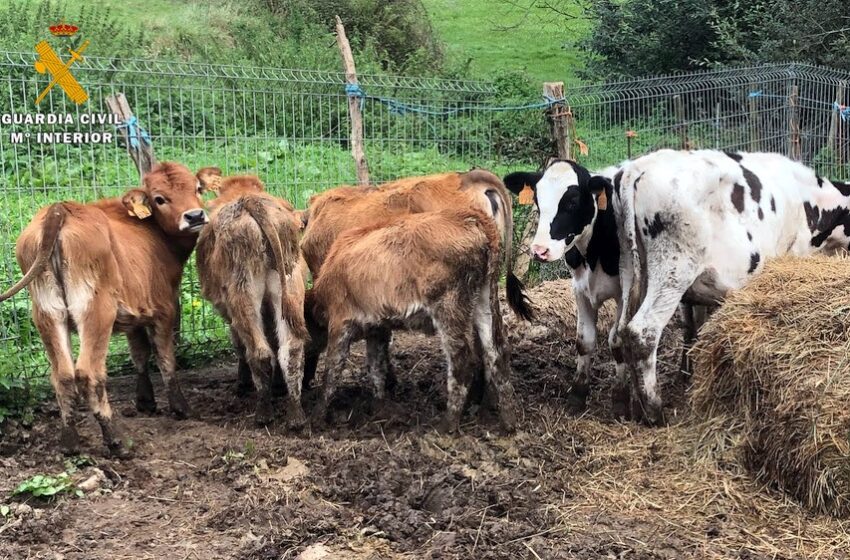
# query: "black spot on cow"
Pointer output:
{"type": "Point", "coordinates": [754, 183]}
{"type": "Point", "coordinates": [574, 258]}
{"type": "Point", "coordinates": [737, 157]}
{"type": "Point", "coordinates": [761, 213]}
{"type": "Point", "coordinates": [617, 179]}
{"type": "Point", "coordinates": [638, 180]}
{"type": "Point", "coordinates": [749, 236]}
{"type": "Point", "coordinates": [820, 180]}
{"type": "Point", "coordinates": [656, 226]}
{"type": "Point", "coordinates": [812, 216]}
{"type": "Point", "coordinates": [772, 204]}
{"type": "Point", "coordinates": [754, 262]}
{"type": "Point", "coordinates": [827, 221]}
{"type": "Point", "coordinates": [738, 197]}
{"type": "Point", "coordinates": [843, 188]}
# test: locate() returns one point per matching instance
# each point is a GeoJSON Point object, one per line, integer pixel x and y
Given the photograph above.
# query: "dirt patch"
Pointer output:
{"type": "Point", "coordinates": [383, 484]}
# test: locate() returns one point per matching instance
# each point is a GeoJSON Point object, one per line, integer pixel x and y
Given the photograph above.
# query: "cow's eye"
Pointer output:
{"type": "Point", "coordinates": [160, 200]}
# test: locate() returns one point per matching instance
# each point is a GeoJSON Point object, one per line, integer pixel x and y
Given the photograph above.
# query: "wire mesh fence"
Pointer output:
{"type": "Point", "coordinates": [291, 128]}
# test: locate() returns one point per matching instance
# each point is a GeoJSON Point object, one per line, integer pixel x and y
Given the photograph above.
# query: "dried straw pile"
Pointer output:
{"type": "Point", "coordinates": [772, 373]}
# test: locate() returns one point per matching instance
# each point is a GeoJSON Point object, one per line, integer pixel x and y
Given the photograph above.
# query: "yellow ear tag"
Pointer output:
{"type": "Point", "coordinates": [140, 210]}
{"type": "Point", "coordinates": [526, 196]}
{"type": "Point", "coordinates": [602, 201]}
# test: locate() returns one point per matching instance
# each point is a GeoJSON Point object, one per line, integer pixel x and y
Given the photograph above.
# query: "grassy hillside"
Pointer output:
{"type": "Point", "coordinates": [491, 35]}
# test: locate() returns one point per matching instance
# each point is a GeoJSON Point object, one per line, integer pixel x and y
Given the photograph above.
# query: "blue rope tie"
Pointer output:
{"type": "Point", "coordinates": [135, 132]}
{"type": "Point", "coordinates": [843, 111]}
{"type": "Point", "coordinates": [401, 108]}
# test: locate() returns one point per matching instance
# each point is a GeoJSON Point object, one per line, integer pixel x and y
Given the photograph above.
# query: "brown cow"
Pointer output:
{"type": "Point", "coordinates": [111, 265]}
{"type": "Point", "coordinates": [432, 268]}
{"type": "Point", "coordinates": [337, 210]}
{"type": "Point", "coordinates": [250, 269]}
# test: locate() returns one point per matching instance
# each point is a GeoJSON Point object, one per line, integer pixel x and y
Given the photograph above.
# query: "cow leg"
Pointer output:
{"type": "Point", "coordinates": [140, 352]}
{"type": "Point", "coordinates": [247, 322]}
{"type": "Point", "coordinates": [667, 282]}
{"type": "Point", "coordinates": [95, 328]}
{"type": "Point", "coordinates": [163, 341]}
{"type": "Point", "coordinates": [496, 356]}
{"type": "Point", "coordinates": [314, 347]}
{"type": "Point", "coordinates": [339, 346]}
{"type": "Point", "coordinates": [452, 320]}
{"type": "Point", "coordinates": [52, 324]}
{"type": "Point", "coordinates": [290, 351]}
{"type": "Point", "coordinates": [586, 316]}
{"type": "Point", "coordinates": [689, 335]}
{"type": "Point", "coordinates": [244, 382]}
{"type": "Point", "coordinates": [378, 361]}
{"type": "Point", "coordinates": [620, 390]}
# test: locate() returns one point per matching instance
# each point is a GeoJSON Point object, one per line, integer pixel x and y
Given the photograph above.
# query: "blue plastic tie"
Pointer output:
{"type": "Point", "coordinates": [135, 132]}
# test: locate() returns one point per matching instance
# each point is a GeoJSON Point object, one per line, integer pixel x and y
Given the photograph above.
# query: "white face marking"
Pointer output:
{"type": "Point", "coordinates": [550, 189]}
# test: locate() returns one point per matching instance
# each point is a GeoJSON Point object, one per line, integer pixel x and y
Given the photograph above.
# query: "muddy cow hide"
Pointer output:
{"type": "Point", "coordinates": [696, 224]}
{"type": "Point", "coordinates": [111, 265]}
{"type": "Point", "coordinates": [437, 269]}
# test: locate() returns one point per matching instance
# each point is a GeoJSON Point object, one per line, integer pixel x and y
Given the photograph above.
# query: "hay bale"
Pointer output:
{"type": "Point", "coordinates": [554, 308]}
{"type": "Point", "coordinates": [773, 366]}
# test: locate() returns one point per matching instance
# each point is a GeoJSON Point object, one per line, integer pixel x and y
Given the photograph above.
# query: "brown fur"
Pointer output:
{"type": "Point", "coordinates": [250, 269]}
{"type": "Point", "coordinates": [103, 269]}
{"type": "Point", "coordinates": [337, 210]}
{"type": "Point", "coordinates": [440, 265]}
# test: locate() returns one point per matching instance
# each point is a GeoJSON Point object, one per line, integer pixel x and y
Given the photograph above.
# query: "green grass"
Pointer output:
{"type": "Point", "coordinates": [492, 36]}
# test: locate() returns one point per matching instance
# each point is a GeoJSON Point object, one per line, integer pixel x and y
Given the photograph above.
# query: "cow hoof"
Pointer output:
{"type": "Point", "coordinates": [576, 404]}
{"type": "Point", "coordinates": [264, 414]}
{"type": "Point", "coordinates": [177, 404]}
{"type": "Point", "coordinates": [508, 418]}
{"type": "Point", "coordinates": [391, 382]}
{"type": "Point", "coordinates": [69, 440]}
{"type": "Point", "coordinates": [119, 451]}
{"type": "Point", "coordinates": [653, 415]}
{"type": "Point", "coordinates": [146, 405]}
{"type": "Point", "coordinates": [448, 426]}
{"type": "Point", "coordinates": [244, 389]}
{"type": "Point", "coordinates": [620, 403]}
{"type": "Point", "coordinates": [296, 420]}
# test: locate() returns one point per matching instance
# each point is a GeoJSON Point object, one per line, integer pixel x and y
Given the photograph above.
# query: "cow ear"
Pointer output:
{"type": "Point", "coordinates": [598, 186]}
{"type": "Point", "coordinates": [209, 178]}
{"type": "Point", "coordinates": [137, 204]}
{"type": "Point", "coordinates": [523, 184]}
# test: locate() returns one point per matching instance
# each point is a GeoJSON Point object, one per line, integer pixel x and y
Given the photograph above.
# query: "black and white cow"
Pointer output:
{"type": "Point", "coordinates": [695, 225]}
{"type": "Point", "coordinates": [577, 224]}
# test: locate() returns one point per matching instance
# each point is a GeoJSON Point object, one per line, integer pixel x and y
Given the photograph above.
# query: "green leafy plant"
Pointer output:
{"type": "Point", "coordinates": [45, 486]}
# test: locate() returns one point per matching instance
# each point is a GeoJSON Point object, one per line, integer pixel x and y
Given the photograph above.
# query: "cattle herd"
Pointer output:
{"type": "Point", "coordinates": [666, 231]}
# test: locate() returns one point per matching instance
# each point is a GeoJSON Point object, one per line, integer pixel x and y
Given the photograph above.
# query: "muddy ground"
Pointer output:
{"type": "Point", "coordinates": [385, 484]}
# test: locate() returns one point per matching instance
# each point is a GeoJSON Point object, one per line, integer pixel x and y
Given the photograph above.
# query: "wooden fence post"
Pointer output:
{"type": "Point", "coordinates": [561, 134]}
{"type": "Point", "coordinates": [354, 112]}
{"type": "Point", "coordinates": [138, 145]}
{"type": "Point", "coordinates": [835, 121]}
{"type": "Point", "coordinates": [558, 117]}
{"type": "Point", "coordinates": [795, 151]}
{"type": "Point", "coordinates": [679, 107]}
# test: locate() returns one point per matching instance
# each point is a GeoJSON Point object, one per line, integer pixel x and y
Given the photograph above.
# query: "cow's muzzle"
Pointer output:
{"type": "Point", "coordinates": [193, 220]}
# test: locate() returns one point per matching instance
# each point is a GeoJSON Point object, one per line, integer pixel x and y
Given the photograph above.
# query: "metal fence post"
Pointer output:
{"type": "Point", "coordinates": [794, 147]}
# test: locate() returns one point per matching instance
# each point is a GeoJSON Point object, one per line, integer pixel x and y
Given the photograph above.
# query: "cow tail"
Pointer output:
{"type": "Point", "coordinates": [52, 225]}
{"type": "Point", "coordinates": [293, 316]}
{"type": "Point", "coordinates": [517, 300]}
{"type": "Point", "coordinates": [630, 257]}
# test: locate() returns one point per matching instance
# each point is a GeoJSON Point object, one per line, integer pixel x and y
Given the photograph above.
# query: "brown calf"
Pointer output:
{"type": "Point", "coordinates": [249, 268]}
{"type": "Point", "coordinates": [337, 210]}
{"type": "Point", "coordinates": [111, 265]}
{"type": "Point", "coordinates": [433, 268]}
